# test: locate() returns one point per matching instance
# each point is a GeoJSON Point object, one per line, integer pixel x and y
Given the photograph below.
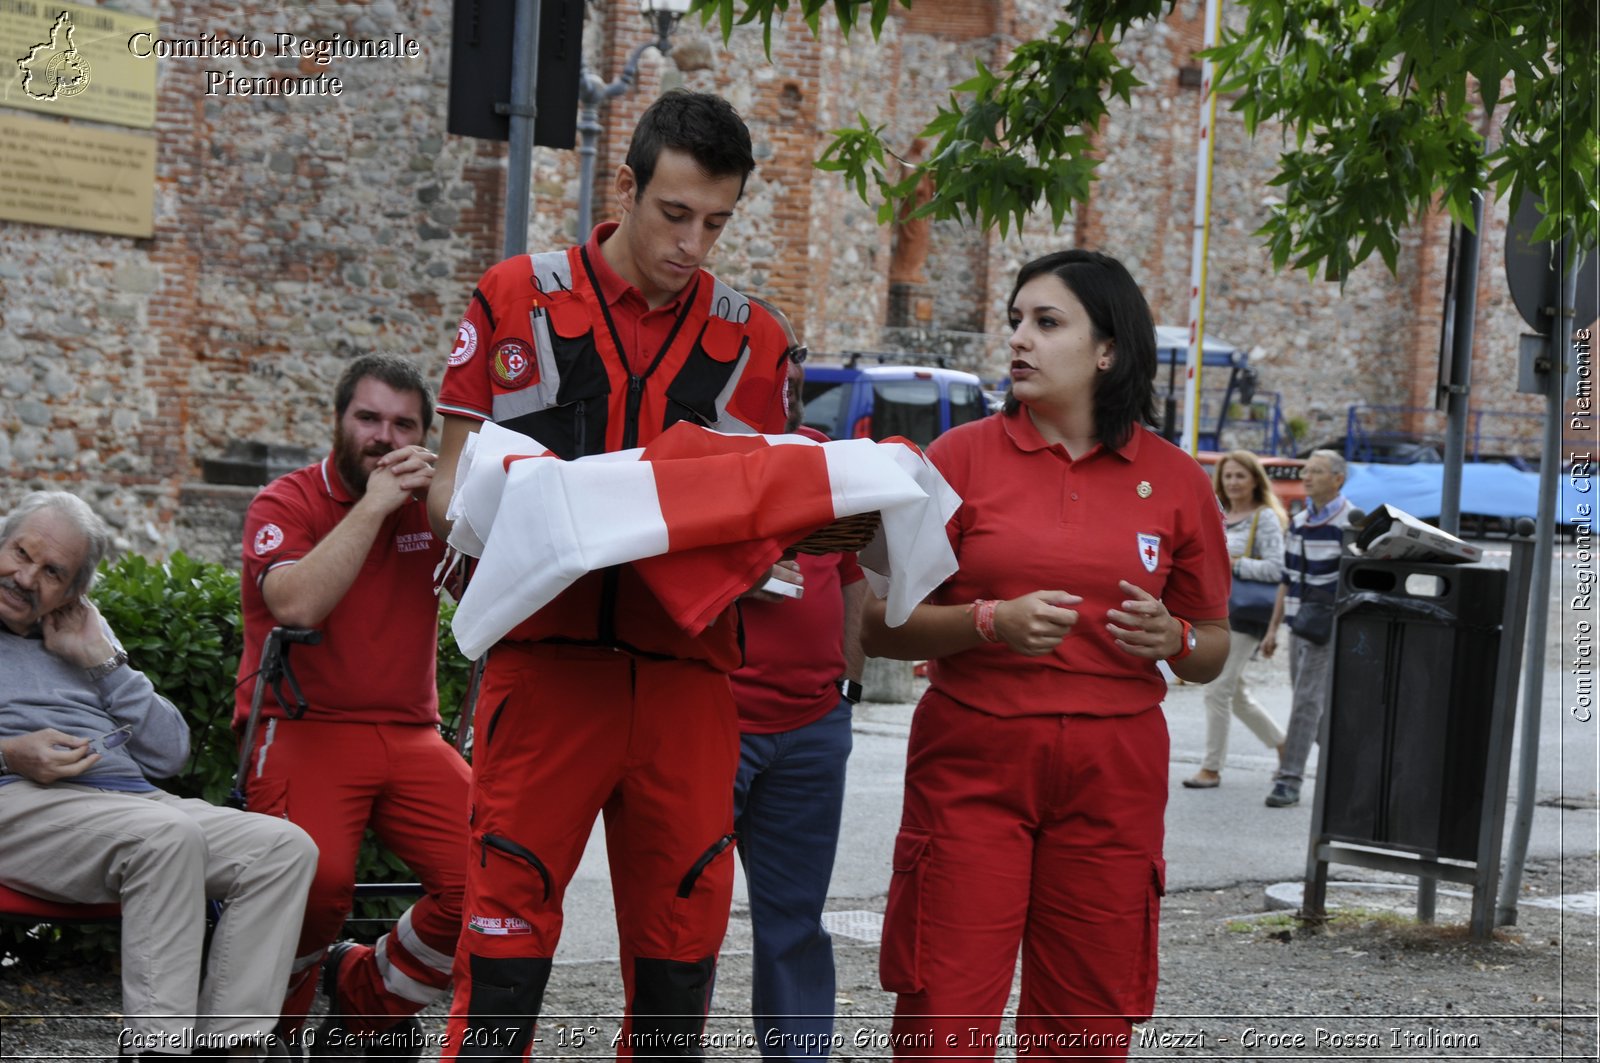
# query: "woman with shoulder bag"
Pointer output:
{"type": "Point", "coordinates": [1254, 519]}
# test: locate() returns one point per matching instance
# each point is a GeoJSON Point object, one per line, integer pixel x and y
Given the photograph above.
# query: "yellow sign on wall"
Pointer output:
{"type": "Point", "coordinates": [53, 173]}
{"type": "Point", "coordinates": [74, 61]}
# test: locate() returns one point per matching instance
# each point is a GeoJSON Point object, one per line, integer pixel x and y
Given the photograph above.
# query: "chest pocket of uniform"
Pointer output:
{"type": "Point", "coordinates": [692, 395]}
{"type": "Point", "coordinates": [572, 421]}
{"type": "Point", "coordinates": [577, 361]}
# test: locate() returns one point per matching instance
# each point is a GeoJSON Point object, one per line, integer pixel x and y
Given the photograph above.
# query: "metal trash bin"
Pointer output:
{"type": "Point", "coordinates": [1416, 739]}
{"type": "Point", "coordinates": [1412, 694]}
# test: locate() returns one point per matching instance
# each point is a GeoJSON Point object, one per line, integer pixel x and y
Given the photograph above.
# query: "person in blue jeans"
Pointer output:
{"type": "Point", "coordinates": [801, 677]}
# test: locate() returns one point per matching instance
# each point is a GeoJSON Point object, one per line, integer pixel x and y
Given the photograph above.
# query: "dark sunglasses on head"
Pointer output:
{"type": "Point", "coordinates": [797, 354]}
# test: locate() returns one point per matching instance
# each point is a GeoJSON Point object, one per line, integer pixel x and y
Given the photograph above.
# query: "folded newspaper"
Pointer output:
{"type": "Point", "coordinates": [1393, 534]}
{"type": "Point", "coordinates": [703, 513]}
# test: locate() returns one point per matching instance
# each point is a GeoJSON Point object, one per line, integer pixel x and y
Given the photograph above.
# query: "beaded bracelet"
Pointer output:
{"type": "Point", "coordinates": [983, 619]}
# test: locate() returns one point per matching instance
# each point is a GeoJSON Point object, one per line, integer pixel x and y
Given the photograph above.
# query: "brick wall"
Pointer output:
{"type": "Point", "coordinates": [965, 21]}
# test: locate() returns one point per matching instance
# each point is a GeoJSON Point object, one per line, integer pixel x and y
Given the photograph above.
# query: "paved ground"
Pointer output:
{"type": "Point", "coordinates": [1215, 838]}
{"type": "Point", "coordinates": [1236, 983]}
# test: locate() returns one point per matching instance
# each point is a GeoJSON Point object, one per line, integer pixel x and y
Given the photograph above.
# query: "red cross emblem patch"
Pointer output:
{"type": "Point", "coordinates": [1149, 551]}
{"type": "Point", "coordinates": [466, 343]}
{"type": "Point", "coordinates": [512, 364]}
{"type": "Point", "coordinates": [268, 539]}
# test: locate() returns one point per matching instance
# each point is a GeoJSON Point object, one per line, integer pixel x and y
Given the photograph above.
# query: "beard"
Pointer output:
{"type": "Point", "coordinates": [350, 462]}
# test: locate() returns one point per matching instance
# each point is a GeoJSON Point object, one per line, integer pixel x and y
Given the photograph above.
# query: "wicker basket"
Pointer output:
{"type": "Point", "coordinates": [846, 535]}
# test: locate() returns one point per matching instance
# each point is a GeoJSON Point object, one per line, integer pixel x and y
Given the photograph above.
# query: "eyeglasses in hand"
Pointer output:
{"type": "Point", "coordinates": [111, 739]}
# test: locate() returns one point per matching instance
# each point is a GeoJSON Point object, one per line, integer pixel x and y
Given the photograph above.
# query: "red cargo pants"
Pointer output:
{"type": "Point", "coordinates": [404, 782]}
{"type": "Point", "coordinates": [564, 734]}
{"type": "Point", "coordinates": [1042, 832]}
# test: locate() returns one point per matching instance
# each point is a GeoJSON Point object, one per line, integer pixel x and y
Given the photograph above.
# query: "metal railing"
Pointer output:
{"type": "Point", "coordinates": [1381, 433]}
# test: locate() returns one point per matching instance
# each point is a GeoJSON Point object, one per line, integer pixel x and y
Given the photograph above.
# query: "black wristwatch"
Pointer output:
{"type": "Point", "coordinates": [850, 689]}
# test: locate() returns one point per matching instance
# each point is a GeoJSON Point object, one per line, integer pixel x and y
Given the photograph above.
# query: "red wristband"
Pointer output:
{"type": "Point", "coordinates": [983, 619]}
{"type": "Point", "coordinates": [1185, 640]}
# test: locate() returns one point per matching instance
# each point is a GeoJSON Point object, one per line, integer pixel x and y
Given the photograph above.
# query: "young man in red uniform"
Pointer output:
{"type": "Point", "coordinates": [599, 702]}
{"type": "Point", "coordinates": [344, 546]}
{"type": "Point", "coordinates": [801, 677]}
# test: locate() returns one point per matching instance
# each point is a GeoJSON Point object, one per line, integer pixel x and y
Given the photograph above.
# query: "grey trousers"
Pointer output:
{"type": "Point", "coordinates": [1310, 671]}
{"type": "Point", "coordinates": [162, 857]}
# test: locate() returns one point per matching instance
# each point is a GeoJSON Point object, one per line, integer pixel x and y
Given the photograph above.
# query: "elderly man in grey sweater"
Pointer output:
{"type": "Point", "coordinates": [81, 735]}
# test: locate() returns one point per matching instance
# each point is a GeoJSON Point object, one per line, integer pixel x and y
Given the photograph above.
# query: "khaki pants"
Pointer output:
{"type": "Point", "coordinates": [162, 856]}
{"type": "Point", "coordinates": [1228, 696]}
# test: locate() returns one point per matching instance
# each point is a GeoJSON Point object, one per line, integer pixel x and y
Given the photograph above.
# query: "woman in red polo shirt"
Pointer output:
{"type": "Point", "coordinates": [1036, 778]}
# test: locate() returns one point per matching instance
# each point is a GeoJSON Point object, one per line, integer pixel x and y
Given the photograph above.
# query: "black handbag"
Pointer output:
{"type": "Point", "coordinates": [1313, 621]}
{"type": "Point", "coordinates": [1251, 601]}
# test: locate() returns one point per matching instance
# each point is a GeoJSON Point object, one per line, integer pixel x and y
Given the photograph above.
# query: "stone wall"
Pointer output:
{"type": "Point", "coordinates": [293, 234]}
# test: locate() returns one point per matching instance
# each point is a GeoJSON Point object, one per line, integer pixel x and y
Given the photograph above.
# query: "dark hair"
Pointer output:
{"type": "Point", "coordinates": [700, 123]}
{"type": "Point", "coordinates": [386, 369]}
{"type": "Point", "coordinates": [1124, 395]}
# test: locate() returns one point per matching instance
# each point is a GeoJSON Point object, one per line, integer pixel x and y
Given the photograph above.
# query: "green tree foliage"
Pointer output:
{"type": "Point", "coordinates": [1381, 105]}
{"type": "Point", "coordinates": [1385, 105]}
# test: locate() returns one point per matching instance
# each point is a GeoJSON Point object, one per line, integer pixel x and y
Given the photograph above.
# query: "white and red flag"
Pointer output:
{"type": "Point", "coordinates": [700, 514]}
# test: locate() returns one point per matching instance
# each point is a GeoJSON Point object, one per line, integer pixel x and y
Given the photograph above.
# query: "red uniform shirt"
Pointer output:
{"type": "Point", "coordinates": [469, 386]}
{"type": "Point", "coordinates": [794, 650]}
{"type": "Point", "coordinates": [375, 663]}
{"type": "Point", "coordinates": [477, 383]}
{"type": "Point", "coordinates": [643, 331]}
{"type": "Point", "coordinates": [1033, 519]}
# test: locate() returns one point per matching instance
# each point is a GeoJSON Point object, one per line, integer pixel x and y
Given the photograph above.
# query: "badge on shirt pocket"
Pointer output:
{"type": "Point", "coordinates": [1149, 551]}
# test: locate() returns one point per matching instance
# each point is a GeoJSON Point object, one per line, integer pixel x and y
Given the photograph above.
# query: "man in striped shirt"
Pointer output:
{"type": "Point", "coordinates": [1310, 573]}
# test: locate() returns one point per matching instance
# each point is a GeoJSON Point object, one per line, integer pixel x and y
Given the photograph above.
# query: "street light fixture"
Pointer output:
{"type": "Point", "coordinates": [663, 16]}
{"type": "Point", "coordinates": [664, 13]}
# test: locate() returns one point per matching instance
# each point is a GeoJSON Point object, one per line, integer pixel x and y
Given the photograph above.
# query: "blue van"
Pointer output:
{"type": "Point", "coordinates": [877, 401]}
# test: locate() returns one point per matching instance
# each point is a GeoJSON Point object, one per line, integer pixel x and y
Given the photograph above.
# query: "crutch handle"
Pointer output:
{"type": "Point", "coordinates": [274, 667]}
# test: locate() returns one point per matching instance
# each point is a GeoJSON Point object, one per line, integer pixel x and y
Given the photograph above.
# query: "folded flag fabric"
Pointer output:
{"type": "Point", "coordinates": [700, 514]}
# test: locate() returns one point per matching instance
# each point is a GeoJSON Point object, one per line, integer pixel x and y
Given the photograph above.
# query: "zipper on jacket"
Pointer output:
{"type": "Point", "coordinates": [630, 416]}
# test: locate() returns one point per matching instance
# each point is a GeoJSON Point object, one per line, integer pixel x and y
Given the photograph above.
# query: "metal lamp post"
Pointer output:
{"type": "Point", "coordinates": [592, 92]}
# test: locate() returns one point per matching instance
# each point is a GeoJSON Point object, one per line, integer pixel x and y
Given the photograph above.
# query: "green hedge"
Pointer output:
{"type": "Point", "coordinates": [180, 624]}
{"type": "Point", "coordinates": [179, 621]}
